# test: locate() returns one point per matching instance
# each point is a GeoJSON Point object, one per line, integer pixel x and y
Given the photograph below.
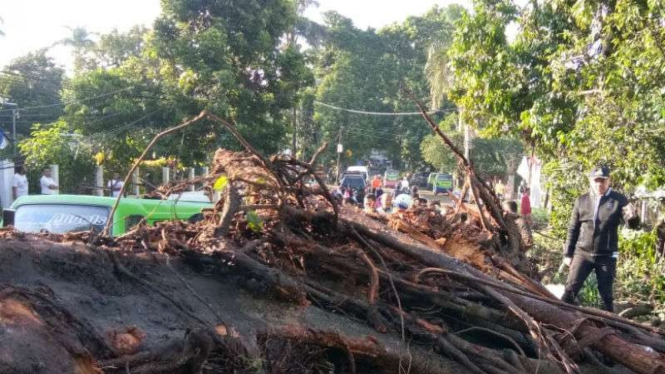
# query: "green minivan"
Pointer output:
{"type": "Point", "coordinates": [69, 213]}
{"type": "Point", "coordinates": [442, 183]}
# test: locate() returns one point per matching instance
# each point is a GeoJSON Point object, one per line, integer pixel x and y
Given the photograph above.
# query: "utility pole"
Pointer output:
{"type": "Point", "coordinates": [467, 133]}
{"type": "Point", "coordinates": [340, 149]}
{"type": "Point", "coordinates": [294, 144]}
{"type": "Point", "coordinates": [14, 114]}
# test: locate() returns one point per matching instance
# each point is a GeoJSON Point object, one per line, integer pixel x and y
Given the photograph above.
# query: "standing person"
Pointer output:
{"type": "Point", "coordinates": [593, 239]}
{"type": "Point", "coordinates": [377, 196]}
{"type": "Point", "coordinates": [405, 184]}
{"type": "Point", "coordinates": [386, 204]}
{"type": "Point", "coordinates": [370, 204]}
{"type": "Point", "coordinates": [47, 183]}
{"type": "Point", "coordinates": [115, 185]}
{"type": "Point", "coordinates": [525, 206]}
{"type": "Point", "coordinates": [20, 183]}
{"type": "Point", "coordinates": [376, 183]}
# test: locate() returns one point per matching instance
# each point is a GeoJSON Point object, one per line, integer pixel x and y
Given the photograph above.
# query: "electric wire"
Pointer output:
{"type": "Point", "coordinates": [68, 102]}
{"type": "Point", "coordinates": [381, 113]}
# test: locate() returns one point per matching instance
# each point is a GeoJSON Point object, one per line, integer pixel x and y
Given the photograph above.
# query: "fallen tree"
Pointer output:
{"type": "Point", "coordinates": [278, 278]}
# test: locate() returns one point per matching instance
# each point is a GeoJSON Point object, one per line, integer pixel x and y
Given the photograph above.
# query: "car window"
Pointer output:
{"type": "Point", "coordinates": [353, 182]}
{"type": "Point", "coordinates": [60, 218]}
{"type": "Point", "coordinates": [132, 220]}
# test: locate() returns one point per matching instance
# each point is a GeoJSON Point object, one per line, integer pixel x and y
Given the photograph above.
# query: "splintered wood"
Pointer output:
{"type": "Point", "coordinates": [278, 279]}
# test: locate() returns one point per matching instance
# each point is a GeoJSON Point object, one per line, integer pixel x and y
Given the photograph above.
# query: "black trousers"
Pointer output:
{"type": "Point", "coordinates": [580, 268]}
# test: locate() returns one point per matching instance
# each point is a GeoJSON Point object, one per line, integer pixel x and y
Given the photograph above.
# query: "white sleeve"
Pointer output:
{"type": "Point", "coordinates": [15, 181]}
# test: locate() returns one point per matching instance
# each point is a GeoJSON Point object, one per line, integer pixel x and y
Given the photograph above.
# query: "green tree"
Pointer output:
{"type": "Point", "coordinates": [32, 81]}
{"type": "Point", "coordinates": [439, 155]}
{"type": "Point", "coordinates": [244, 82]}
{"type": "Point", "coordinates": [81, 42]}
{"type": "Point", "coordinates": [581, 82]}
{"type": "Point", "coordinates": [114, 48]}
{"type": "Point", "coordinates": [55, 144]}
{"type": "Point", "coordinates": [367, 70]}
{"type": "Point", "coordinates": [296, 76]}
{"type": "Point", "coordinates": [492, 157]}
{"type": "Point", "coordinates": [146, 81]}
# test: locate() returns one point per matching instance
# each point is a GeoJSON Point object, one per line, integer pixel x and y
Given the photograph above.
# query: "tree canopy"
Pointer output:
{"type": "Point", "coordinates": [367, 70]}
{"type": "Point", "coordinates": [581, 83]}
{"type": "Point", "coordinates": [33, 80]}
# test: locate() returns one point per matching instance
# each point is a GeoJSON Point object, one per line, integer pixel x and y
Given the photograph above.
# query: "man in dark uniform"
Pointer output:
{"type": "Point", "coordinates": [593, 238]}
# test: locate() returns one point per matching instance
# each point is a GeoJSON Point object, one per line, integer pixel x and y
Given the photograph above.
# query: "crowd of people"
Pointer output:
{"type": "Point", "coordinates": [48, 186]}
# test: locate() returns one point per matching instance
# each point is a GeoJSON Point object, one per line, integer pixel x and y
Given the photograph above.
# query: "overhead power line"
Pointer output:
{"type": "Point", "coordinates": [381, 113]}
{"type": "Point", "coordinates": [69, 102]}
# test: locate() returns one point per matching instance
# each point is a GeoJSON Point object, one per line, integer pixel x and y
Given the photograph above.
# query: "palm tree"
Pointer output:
{"type": "Point", "coordinates": [80, 38]}
{"type": "Point", "coordinates": [438, 72]}
{"type": "Point", "coordinates": [304, 27]}
{"type": "Point", "coordinates": [81, 41]}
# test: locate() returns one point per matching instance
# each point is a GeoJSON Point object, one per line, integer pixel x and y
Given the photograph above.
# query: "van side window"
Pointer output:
{"type": "Point", "coordinates": [132, 220]}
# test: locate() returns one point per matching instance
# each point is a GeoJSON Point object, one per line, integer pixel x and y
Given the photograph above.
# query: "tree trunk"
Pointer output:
{"type": "Point", "coordinates": [294, 144]}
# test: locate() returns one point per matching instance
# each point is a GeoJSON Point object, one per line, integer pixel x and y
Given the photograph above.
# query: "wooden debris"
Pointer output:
{"type": "Point", "coordinates": [419, 293]}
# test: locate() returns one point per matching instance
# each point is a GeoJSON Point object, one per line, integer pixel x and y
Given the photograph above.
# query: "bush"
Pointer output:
{"type": "Point", "coordinates": [639, 270]}
{"type": "Point", "coordinates": [540, 218]}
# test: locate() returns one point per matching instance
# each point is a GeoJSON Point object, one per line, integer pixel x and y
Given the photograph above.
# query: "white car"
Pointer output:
{"type": "Point", "coordinates": [359, 170]}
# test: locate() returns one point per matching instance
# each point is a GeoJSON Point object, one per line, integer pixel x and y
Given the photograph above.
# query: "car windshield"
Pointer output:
{"type": "Point", "coordinates": [392, 176]}
{"type": "Point", "coordinates": [60, 218]}
{"type": "Point", "coordinates": [353, 182]}
{"type": "Point", "coordinates": [443, 177]}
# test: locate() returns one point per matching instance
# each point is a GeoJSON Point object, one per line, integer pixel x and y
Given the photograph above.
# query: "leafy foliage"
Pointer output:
{"type": "Point", "coordinates": [366, 70]}
{"type": "Point", "coordinates": [140, 82]}
{"type": "Point", "coordinates": [53, 144]}
{"type": "Point", "coordinates": [581, 82]}
{"type": "Point", "coordinates": [492, 157]}
{"type": "Point", "coordinates": [33, 80]}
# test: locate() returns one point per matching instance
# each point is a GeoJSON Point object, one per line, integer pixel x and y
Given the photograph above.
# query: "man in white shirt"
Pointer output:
{"type": "Point", "coordinates": [20, 183]}
{"type": "Point", "coordinates": [115, 185]}
{"type": "Point", "coordinates": [47, 183]}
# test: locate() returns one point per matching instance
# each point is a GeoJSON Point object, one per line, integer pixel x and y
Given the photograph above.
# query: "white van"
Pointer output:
{"type": "Point", "coordinates": [359, 170]}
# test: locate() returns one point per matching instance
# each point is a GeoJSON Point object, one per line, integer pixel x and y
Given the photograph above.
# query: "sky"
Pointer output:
{"type": "Point", "coordinates": [33, 24]}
